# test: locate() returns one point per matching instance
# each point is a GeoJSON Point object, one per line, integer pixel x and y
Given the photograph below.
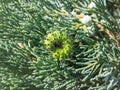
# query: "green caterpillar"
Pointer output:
{"type": "Point", "coordinates": [59, 44]}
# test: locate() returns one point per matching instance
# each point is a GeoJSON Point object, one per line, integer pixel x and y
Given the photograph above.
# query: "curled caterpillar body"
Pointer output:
{"type": "Point", "coordinates": [59, 44]}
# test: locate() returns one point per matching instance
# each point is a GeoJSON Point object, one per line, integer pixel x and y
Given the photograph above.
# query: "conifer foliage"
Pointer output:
{"type": "Point", "coordinates": [59, 45]}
